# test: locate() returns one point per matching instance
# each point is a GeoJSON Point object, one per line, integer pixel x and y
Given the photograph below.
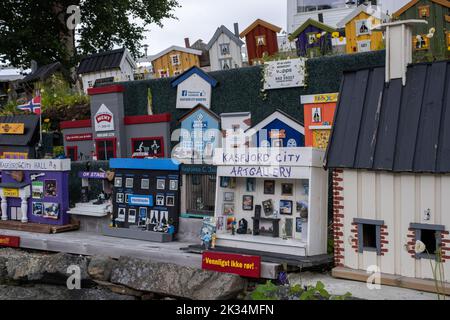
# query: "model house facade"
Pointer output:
{"type": "Point", "coordinates": [359, 32]}
{"type": "Point", "coordinates": [174, 61]}
{"type": "Point", "coordinates": [106, 68]}
{"type": "Point", "coordinates": [261, 40]}
{"type": "Point", "coordinates": [225, 49]}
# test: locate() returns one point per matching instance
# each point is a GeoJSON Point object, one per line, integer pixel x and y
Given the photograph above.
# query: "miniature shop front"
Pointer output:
{"type": "Point", "coordinates": [146, 199]}
{"type": "Point", "coordinates": [272, 196]}
{"type": "Point", "coordinates": [34, 192]}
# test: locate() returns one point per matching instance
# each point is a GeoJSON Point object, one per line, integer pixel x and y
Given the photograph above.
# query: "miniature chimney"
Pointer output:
{"type": "Point", "coordinates": [399, 49]}
{"type": "Point", "coordinates": [236, 29]}
{"type": "Point", "coordinates": [187, 42]}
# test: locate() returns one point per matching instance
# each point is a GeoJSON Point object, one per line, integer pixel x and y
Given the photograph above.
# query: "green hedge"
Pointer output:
{"type": "Point", "coordinates": [239, 90]}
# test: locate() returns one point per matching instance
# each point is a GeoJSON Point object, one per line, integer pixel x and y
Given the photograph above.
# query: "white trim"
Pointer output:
{"type": "Point", "coordinates": [320, 127]}
{"type": "Point", "coordinates": [278, 115]}
{"type": "Point", "coordinates": [175, 48]}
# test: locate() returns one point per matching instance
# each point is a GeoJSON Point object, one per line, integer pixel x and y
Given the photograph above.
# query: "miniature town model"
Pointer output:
{"type": "Point", "coordinates": [225, 49]}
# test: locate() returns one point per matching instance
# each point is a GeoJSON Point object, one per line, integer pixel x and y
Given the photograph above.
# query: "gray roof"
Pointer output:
{"type": "Point", "coordinates": [391, 127]}
{"type": "Point", "coordinates": [231, 35]}
{"type": "Point", "coordinates": [101, 61]}
{"type": "Point", "coordinates": [31, 135]}
{"type": "Point", "coordinates": [43, 72]}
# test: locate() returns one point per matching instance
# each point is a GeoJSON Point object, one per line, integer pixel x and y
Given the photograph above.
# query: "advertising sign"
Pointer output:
{"type": "Point", "coordinates": [284, 74]}
{"type": "Point", "coordinates": [104, 119]}
{"type": "Point", "coordinates": [148, 147]}
{"type": "Point", "coordinates": [92, 175]}
{"type": "Point", "coordinates": [192, 92]}
{"type": "Point", "coordinates": [79, 137]}
{"type": "Point", "coordinates": [245, 266]}
{"type": "Point", "coordinates": [136, 200]}
{"type": "Point", "coordinates": [12, 128]}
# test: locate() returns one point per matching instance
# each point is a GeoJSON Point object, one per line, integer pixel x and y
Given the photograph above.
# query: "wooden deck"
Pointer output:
{"type": "Point", "coordinates": [37, 228]}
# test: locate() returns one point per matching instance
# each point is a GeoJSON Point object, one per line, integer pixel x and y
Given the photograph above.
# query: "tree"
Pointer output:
{"type": "Point", "coordinates": [39, 29]}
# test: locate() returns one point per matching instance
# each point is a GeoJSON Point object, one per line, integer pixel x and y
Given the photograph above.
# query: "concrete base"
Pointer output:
{"type": "Point", "coordinates": [391, 280]}
{"type": "Point", "coordinates": [92, 224]}
{"type": "Point", "coordinates": [137, 234]}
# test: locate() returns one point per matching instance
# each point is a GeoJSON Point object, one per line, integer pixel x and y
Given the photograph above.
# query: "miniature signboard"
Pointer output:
{"type": "Point", "coordinates": [12, 128]}
{"type": "Point", "coordinates": [79, 137]}
{"type": "Point", "coordinates": [104, 119]}
{"type": "Point", "coordinates": [35, 165]}
{"type": "Point", "coordinates": [284, 74]}
{"type": "Point", "coordinates": [9, 241]}
{"type": "Point", "coordinates": [245, 266]}
{"type": "Point", "coordinates": [92, 175]}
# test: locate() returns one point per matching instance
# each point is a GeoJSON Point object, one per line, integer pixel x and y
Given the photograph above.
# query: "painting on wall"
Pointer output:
{"type": "Point", "coordinates": [247, 203]}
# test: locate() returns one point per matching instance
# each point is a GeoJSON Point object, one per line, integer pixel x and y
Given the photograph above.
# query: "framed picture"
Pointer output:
{"type": "Point", "coordinates": [120, 198]}
{"type": "Point", "coordinates": [247, 203]}
{"type": "Point", "coordinates": [363, 27]}
{"type": "Point", "coordinates": [225, 182]}
{"type": "Point", "coordinates": [286, 207]}
{"type": "Point", "coordinates": [37, 189]}
{"type": "Point", "coordinates": [142, 214]}
{"type": "Point", "coordinates": [298, 225]}
{"type": "Point", "coordinates": [38, 209]}
{"type": "Point", "coordinates": [269, 187]}
{"type": "Point", "coordinates": [277, 143]}
{"type": "Point", "coordinates": [228, 209]}
{"type": "Point", "coordinates": [127, 198]}
{"type": "Point", "coordinates": [287, 189]}
{"type": "Point", "coordinates": [170, 201]}
{"type": "Point", "coordinates": [173, 185]}
{"type": "Point", "coordinates": [118, 182]}
{"type": "Point", "coordinates": [228, 196]}
{"type": "Point", "coordinates": [145, 184]}
{"type": "Point", "coordinates": [129, 183]}
{"type": "Point", "coordinates": [132, 216]}
{"type": "Point", "coordinates": [161, 184]}
{"type": "Point", "coordinates": [289, 227]}
{"type": "Point", "coordinates": [251, 184]}
{"type": "Point", "coordinates": [51, 211]}
{"type": "Point", "coordinates": [121, 215]}
{"type": "Point", "coordinates": [268, 207]}
{"type": "Point", "coordinates": [317, 115]}
{"type": "Point", "coordinates": [160, 200]}
{"type": "Point", "coordinates": [50, 188]}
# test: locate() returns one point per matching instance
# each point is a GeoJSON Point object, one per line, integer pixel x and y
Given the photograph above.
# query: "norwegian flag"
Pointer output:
{"type": "Point", "coordinates": [34, 106]}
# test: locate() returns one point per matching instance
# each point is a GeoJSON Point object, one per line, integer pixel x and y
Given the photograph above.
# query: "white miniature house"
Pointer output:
{"type": "Point", "coordinates": [225, 49]}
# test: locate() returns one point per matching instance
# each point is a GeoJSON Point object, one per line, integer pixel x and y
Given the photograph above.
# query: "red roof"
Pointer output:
{"type": "Point", "coordinates": [76, 124]}
{"type": "Point", "coordinates": [105, 90]}
{"type": "Point", "coordinates": [131, 120]}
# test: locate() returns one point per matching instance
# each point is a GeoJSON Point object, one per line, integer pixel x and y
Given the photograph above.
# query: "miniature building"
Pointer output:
{"type": "Point", "coordinates": [225, 49]}
{"type": "Point", "coordinates": [146, 199]}
{"type": "Point", "coordinates": [277, 130]}
{"type": "Point", "coordinates": [313, 39]}
{"type": "Point", "coordinates": [389, 151]}
{"type": "Point", "coordinates": [175, 60]}
{"type": "Point", "coordinates": [106, 68]}
{"type": "Point", "coordinates": [19, 136]}
{"type": "Point", "coordinates": [319, 116]}
{"type": "Point", "coordinates": [234, 126]}
{"type": "Point", "coordinates": [205, 63]}
{"type": "Point", "coordinates": [261, 40]}
{"type": "Point", "coordinates": [35, 191]}
{"type": "Point", "coordinates": [200, 136]}
{"type": "Point", "coordinates": [429, 45]}
{"type": "Point", "coordinates": [194, 87]}
{"type": "Point", "coordinates": [110, 134]}
{"type": "Point", "coordinates": [358, 29]}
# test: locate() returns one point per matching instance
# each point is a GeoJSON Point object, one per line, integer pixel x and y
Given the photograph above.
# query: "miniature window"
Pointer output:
{"type": "Point", "coordinates": [226, 64]}
{"type": "Point", "coordinates": [363, 27]}
{"type": "Point", "coordinates": [369, 235]}
{"type": "Point", "coordinates": [312, 38]}
{"type": "Point", "coordinates": [129, 183]}
{"type": "Point", "coordinates": [177, 72]}
{"type": "Point", "coordinates": [201, 194]}
{"type": "Point", "coordinates": [90, 84]}
{"type": "Point", "coordinates": [364, 46]}
{"type": "Point", "coordinates": [163, 73]}
{"type": "Point", "coordinates": [430, 235]}
{"type": "Point", "coordinates": [145, 184]}
{"type": "Point", "coordinates": [225, 49]}
{"type": "Point", "coordinates": [175, 60]}
{"type": "Point", "coordinates": [421, 42]}
{"type": "Point", "coordinates": [261, 40]}
{"type": "Point", "coordinates": [424, 11]}
{"type": "Point", "coordinates": [72, 153]}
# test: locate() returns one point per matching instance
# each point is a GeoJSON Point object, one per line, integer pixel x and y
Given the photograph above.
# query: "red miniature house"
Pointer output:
{"type": "Point", "coordinates": [319, 116]}
{"type": "Point", "coordinates": [261, 39]}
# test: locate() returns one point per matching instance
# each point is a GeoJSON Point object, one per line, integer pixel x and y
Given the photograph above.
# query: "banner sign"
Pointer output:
{"type": "Point", "coordinates": [79, 137]}
{"type": "Point", "coordinates": [145, 201]}
{"type": "Point", "coordinates": [192, 92]}
{"type": "Point", "coordinates": [245, 266]}
{"type": "Point", "coordinates": [284, 74]}
{"type": "Point", "coordinates": [9, 241]}
{"type": "Point", "coordinates": [35, 165]}
{"type": "Point", "coordinates": [92, 175]}
{"type": "Point", "coordinates": [11, 193]}
{"type": "Point", "coordinates": [12, 128]}
{"type": "Point", "coordinates": [104, 119]}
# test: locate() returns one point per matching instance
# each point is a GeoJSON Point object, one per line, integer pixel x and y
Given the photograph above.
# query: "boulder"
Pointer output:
{"type": "Point", "coordinates": [100, 268]}
{"type": "Point", "coordinates": [177, 281]}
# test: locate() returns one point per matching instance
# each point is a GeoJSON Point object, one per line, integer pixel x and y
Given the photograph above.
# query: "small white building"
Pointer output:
{"type": "Point", "coordinates": [106, 67]}
{"type": "Point", "coordinates": [225, 49]}
{"type": "Point", "coordinates": [389, 152]}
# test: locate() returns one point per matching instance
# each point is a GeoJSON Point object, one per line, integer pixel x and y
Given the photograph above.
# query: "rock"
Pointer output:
{"type": "Point", "coordinates": [48, 292]}
{"type": "Point", "coordinates": [119, 289]}
{"type": "Point", "coordinates": [26, 266]}
{"type": "Point", "coordinates": [100, 268]}
{"type": "Point", "coordinates": [177, 281]}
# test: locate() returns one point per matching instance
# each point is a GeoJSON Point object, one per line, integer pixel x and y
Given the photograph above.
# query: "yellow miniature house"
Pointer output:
{"type": "Point", "coordinates": [174, 61]}
{"type": "Point", "coordinates": [358, 29]}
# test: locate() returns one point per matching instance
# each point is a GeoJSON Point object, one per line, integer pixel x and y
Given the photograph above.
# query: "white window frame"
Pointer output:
{"type": "Point", "coordinates": [369, 44]}
{"type": "Point", "coordinates": [222, 46]}
{"type": "Point", "coordinates": [163, 73]}
{"type": "Point", "coordinates": [230, 63]}
{"type": "Point", "coordinates": [175, 63]}
{"type": "Point", "coordinates": [358, 27]}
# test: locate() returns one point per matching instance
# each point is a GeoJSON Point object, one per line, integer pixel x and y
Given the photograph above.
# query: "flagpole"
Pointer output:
{"type": "Point", "coordinates": [40, 121]}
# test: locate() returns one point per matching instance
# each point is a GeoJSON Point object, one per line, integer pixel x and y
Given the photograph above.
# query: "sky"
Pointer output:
{"type": "Point", "coordinates": [199, 19]}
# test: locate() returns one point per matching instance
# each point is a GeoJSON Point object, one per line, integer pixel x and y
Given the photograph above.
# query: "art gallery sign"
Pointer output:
{"type": "Point", "coordinates": [284, 74]}
{"type": "Point", "coordinates": [194, 87]}
{"type": "Point", "coordinates": [277, 163]}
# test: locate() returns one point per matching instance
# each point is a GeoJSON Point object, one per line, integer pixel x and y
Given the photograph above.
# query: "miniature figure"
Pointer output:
{"type": "Point", "coordinates": [206, 240]}
{"type": "Point", "coordinates": [233, 226]}
{"type": "Point", "coordinates": [213, 241]}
